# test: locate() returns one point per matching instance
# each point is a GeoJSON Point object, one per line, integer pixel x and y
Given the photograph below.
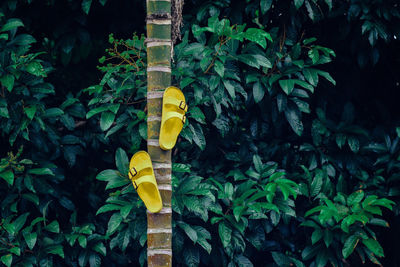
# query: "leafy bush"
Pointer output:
{"type": "Point", "coordinates": [283, 160]}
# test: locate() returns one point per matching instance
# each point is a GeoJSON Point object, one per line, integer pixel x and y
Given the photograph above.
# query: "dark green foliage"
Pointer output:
{"type": "Point", "coordinates": [290, 155]}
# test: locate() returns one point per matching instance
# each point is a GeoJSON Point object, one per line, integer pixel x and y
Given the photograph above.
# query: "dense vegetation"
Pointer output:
{"type": "Point", "coordinates": [290, 154]}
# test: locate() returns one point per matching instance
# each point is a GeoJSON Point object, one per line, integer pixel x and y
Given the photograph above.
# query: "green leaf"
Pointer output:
{"type": "Point", "coordinates": [398, 131]}
{"type": "Point", "coordinates": [32, 197]}
{"type": "Point", "coordinates": [314, 55]}
{"type": "Point", "coordinates": [374, 246]}
{"type": "Point", "coordinates": [8, 81]}
{"type": "Point", "coordinates": [11, 24]}
{"type": "Point", "coordinates": [293, 116]}
{"type": "Point", "coordinates": [225, 234]}
{"type": "Point", "coordinates": [198, 136]}
{"type": "Point", "coordinates": [219, 68]}
{"type": "Point", "coordinates": [197, 114]}
{"type": "Point", "coordinates": [355, 197]}
{"type": "Point", "coordinates": [230, 87]}
{"type": "Point", "coordinates": [56, 250]}
{"type": "Point", "coordinates": [8, 175]}
{"type": "Point", "coordinates": [113, 223]}
{"type": "Point", "coordinates": [35, 68]}
{"type": "Point", "coordinates": [354, 144]}
{"type": "Point", "coordinates": [106, 120]}
{"type": "Point", "coordinates": [311, 76]}
{"type": "Point", "coordinates": [265, 5]}
{"type": "Point", "coordinates": [298, 3]}
{"type": "Point", "coordinates": [30, 239]}
{"type": "Point", "coordinates": [229, 190]}
{"type": "Point", "coordinates": [53, 227]}
{"type": "Point", "coordinates": [349, 245]}
{"type": "Point", "coordinates": [100, 248]}
{"type": "Point", "coordinates": [41, 171]}
{"type": "Point", "coordinates": [20, 221]}
{"type": "Point", "coordinates": [108, 175]}
{"type": "Point", "coordinates": [316, 184]}
{"type": "Point", "coordinates": [328, 237]}
{"type": "Point", "coordinates": [94, 111]}
{"type": "Point", "coordinates": [305, 85]}
{"type": "Point", "coordinates": [258, 36]}
{"type": "Point", "coordinates": [257, 163]}
{"type": "Point", "coordinates": [287, 85]}
{"type": "Point", "coordinates": [30, 111]}
{"type": "Point", "coordinates": [7, 260]}
{"type": "Point", "coordinates": [316, 236]}
{"type": "Point", "coordinates": [121, 160]}
{"type": "Point", "coordinates": [258, 92]}
{"type": "Point", "coordinates": [52, 112]}
{"type": "Point", "coordinates": [82, 241]}
{"type": "Point", "coordinates": [108, 207]}
{"type": "Point", "coordinates": [190, 232]}
{"type": "Point", "coordinates": [86, 6]}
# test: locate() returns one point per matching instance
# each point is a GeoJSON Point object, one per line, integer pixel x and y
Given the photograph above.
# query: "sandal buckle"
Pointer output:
{"type": "Point", "coordinates": [135, 185]}
{"type": "Point", "coordinates": [184, 119]}
{"type": "Point", "coordinates": [133, 173]}
{"type": "Point", "coordinates": [183, 105]}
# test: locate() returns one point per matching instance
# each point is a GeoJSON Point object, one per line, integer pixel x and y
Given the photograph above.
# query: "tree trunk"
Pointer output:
{"type": "Point", "coordinates": [159, 229]}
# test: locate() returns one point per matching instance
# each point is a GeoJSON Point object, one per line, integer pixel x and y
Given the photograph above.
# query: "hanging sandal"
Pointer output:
{"type": "Point", "coordinates": [142, 175]}
{"type": "Point", "coordinates": [173, 118]}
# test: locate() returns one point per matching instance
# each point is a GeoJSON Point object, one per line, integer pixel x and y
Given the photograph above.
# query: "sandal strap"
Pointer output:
{"type": "Point", "coordinates": [172, 114]}
{"type": "Point", "coordinates": [179, 103]}
{"type": "Point", "coordinates": [143, 179]}
{"type": "Point", "coordinates": [140, 166]}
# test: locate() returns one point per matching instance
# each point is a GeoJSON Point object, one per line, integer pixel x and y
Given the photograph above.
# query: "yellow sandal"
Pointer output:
{"type": "Point", "coordinates": [142, 175]}
{"type": "Point", "coordinates": [173, 117]}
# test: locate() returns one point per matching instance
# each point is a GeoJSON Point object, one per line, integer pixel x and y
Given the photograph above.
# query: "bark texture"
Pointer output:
{"type": "Point", "coordinates": [159, 229]}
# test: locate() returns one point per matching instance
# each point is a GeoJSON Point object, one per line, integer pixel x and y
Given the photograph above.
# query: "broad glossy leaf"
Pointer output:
{"type": "Point", "coordinates": [11, 24]}
{"type": "Point", "coordinates": [287, 85]}
{"type": "Point", "coordinates": [349, 245]}
{"type": "Point", "coordinates": [225, 234]}
{"type": "Point", "coordinates": [121, 160]}
{"type": "Point", "coordinates": [258, 92]}
{"type": "Point", "coordinates": [106, 120]}
{"type": "Point", "coordinates": [374, 246]}
{"type": "Point", "coordinates": [8, 176]}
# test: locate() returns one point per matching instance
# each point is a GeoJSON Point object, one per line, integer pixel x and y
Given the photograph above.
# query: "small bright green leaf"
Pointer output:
{"type": "Point", "coordinates": [258, 36]}
{"type": "Point", "coordinates": [7, 260]}
{"type": "Point", "coordinates": [41, 171]}
{"type": "Point", "coordinates": [349, 245]}
{"type": "Point", "coordinates": [8, 175]}
{"type": "Point", "coordinates": [106, 120]}
{"type": "Point", "coordinates": [30, 111]}
{"type": "Point", "coordinates": [374, 246]}
{"type": "Point", "coordinates": [53, 227]}
{"type": "Point", "coordinates": [30, 239]}
{"type": "Point", "coordinates": [219, 68]}
{"type": "Point", "coordinates": [8, 81]}
{"type": "Point", "coordinates": [287, 85]}
{"type": "Point", "coordinates": [56, 250]}
{"type": "Point", "coordinates": [11, 24]}
{"type": "Point", "coordinates": [107, 175]}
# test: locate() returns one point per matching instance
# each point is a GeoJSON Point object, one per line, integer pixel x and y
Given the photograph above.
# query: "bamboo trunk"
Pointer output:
{"type": "Point", "coordinates": [159, 229]}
